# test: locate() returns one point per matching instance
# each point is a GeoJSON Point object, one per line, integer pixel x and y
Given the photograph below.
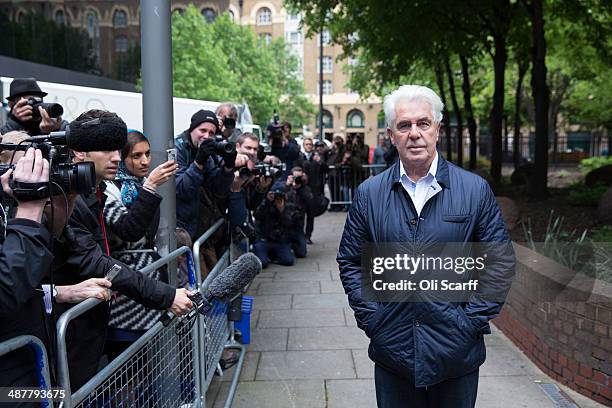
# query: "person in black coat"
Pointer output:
{"type": "Point", "coordinates": [316, 170]}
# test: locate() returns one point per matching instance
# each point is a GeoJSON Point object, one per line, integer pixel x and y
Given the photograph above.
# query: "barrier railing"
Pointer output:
{"type": "Point", "coordinates": [343, 180]}
{"type": "Point", "coordinates": [165, 366]}
{"type": "Point", "coordinates": [42, 361]}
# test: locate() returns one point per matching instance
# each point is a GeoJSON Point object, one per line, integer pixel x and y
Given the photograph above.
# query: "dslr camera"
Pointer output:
{"type": "Point", "coordinates": [275, 131]}
{"type": "Point", "coordinates": [55, 110]}
{"type": "Point", "coordinates": [65, 177]}
{"type": "Point", "coordinates": [263, 169]}
{"type": "Point", "coordinates": [224, 146]}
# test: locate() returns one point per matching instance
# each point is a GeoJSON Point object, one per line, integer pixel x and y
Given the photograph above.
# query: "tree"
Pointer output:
{"type": "Point", "coordinates": [223, 61]}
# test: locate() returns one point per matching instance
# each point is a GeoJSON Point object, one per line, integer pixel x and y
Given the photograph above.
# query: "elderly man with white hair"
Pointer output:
{"type": "Point", "coordinates": [427, 348]}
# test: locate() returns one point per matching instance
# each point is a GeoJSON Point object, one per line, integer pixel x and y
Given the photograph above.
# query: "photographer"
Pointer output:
{"type": "Point", "coordinates": [276, 219]}
{"type": "Point", "coordinates": [83, 250]}
{"type": "Point", "coordinates": [28, 112]}
{"type": "Point", "coordinates": [300, 195]}
{"type": "Point", "coordinates": [200, 168]}
{"type": "Point", "coordinates": [25, 260]}
{"type": "Point", "coordinates": [283, 146]}
{"type": "Point", "coordinates": [316, 170]}
{"type": "Point", "coordinates": [227, 115]}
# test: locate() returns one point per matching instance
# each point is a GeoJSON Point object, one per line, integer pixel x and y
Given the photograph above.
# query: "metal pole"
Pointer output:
{"type": "Point", "coordinates": [321, 84]}
{"type": "Point", "coordinates": [156, 69]}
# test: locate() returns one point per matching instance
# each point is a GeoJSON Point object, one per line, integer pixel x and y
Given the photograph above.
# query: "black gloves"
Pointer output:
{"type": "Point", "coordinates": [206, 149]}
{"type": "Point", "coordinates": [229, 159]}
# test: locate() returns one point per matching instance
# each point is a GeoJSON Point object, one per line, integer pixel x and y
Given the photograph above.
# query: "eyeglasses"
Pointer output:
{"type": "Point", "coordinates": [405, 127]}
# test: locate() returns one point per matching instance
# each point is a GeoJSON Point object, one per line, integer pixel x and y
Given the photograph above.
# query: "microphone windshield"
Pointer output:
{"type": "Point", "coordinates": [107, 133]}
{"type": "Point", "coordinates": [235, 277]}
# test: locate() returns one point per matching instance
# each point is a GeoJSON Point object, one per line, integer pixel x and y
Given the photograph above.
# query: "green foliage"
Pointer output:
{"type": "Point", "coordinates": [581, 195]}
{"type": "Point", "coordinates": [43, 41]}
{"type": "Point", "coordinates": [603, 234]}
{"type": "Point", "coordinates": [592, 163]}
{"type": "Point", "coordinates": [223, 61]}
{"type": "Point", "coordinates": [481, 163]}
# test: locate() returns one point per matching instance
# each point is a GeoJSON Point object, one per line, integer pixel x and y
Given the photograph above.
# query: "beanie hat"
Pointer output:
{"type": "Point", "coordinates": [203, 116]}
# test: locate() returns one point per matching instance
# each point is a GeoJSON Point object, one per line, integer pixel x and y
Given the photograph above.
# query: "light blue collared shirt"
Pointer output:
{"type": "Point", "coordinates": [424, 189]}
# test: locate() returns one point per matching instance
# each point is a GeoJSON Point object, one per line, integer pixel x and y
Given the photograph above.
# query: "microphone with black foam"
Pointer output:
{"type": "Point", "coordinates": [224, 287]}
{"type": "Point", "coordinates": [106, 133]}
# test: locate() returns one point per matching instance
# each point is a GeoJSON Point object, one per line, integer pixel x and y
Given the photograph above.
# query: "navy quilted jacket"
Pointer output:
{"type": "Point", "coordinates": [426, 342]}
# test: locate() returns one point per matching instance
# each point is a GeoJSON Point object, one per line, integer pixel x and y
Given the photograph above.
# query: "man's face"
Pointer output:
{"type": "Point", "coordinates": [205, 130]}
{"type": "Point", "coordinates": [308, 146]}
{"type": "Point", "coordinates": [106, 163]}
{"type": "Point", "coordinates": [414, 133]}
{"type": "Point", "coordinates": [248, 147]}
{"type": "Point", "coordinates": [223, 113]}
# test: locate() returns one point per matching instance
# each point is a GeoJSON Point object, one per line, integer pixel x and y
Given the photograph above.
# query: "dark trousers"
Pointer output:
{"type": "Point", "coordinates": [279, 251]}
{"type": "Point", "coordinates": [393, 391]}
{"type": "Point", "coordinates": [309, 224]}
{"type": "Point", "coordinates": [298, 244]}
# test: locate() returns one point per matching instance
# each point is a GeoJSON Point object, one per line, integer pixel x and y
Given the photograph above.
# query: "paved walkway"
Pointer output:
{"type": "Point", "coordinates": [306, 350]}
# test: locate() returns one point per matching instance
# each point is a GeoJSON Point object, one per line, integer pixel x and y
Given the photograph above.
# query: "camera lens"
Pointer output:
{"type": "Point", "coordinates": [54, 110]}
{"type": "Point", "coordinates": [77, 178]}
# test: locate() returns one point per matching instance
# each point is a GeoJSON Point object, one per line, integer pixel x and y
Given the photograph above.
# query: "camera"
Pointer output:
{"type": "Point", "coordinates": [223, 146]}
{"type": "Point", "coordinates": [275, 131]}
{"type": "Point", "coordinates": [270, 170]}
{"type": "Point", "coordinates": [298, 179]}
{"type": "Point", "coordinates": [55, 110]}
{"type": "Point", "coordinates": [279, 194]}
{"type": "Point", "coordinates": [65, 176]}
{"type": "Point", "coordinates": [229, 123]}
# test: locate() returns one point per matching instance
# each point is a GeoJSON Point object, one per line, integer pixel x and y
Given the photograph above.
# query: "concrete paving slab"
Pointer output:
{"type": "Point", "coordinates": [301, 318]}
{"type": "Point", "coordinates": [276, 288]}
{"type": "Point", "coordinates": [326, 364]}
{"type": "Point", "coordinates": [510, 391]}
{"type": "Point", "coordinates": [322, 301]}
{"type": "Point", "coordinates": [302, 276]}
{"type": "Point", "coordinates": [268, 339]}
{"type": "Point", "coordinates": [327, 338]}
{"type": "Point", "coordinates": [350, 393]}
{"type": "Point", "coordinates": [331, 286]}
{"type": "Point", "coordinates": [273, 394]}
{"type": "Point", "coordinates": [349, 316]}
{"type": "Point", "coordinates": [272, 302]}
{"type": "Point", "coordinates": [506, 360]}
{"type": "Point", "coordinates": [363, 365]}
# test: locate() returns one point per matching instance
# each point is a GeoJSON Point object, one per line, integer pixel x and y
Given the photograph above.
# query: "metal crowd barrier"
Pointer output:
{"type": "Point", "coordinates": [161, 368]}
{"type": "Point", "coordinates": [42, 361]}
{"type": "Point", "coordinates": [343, 180]}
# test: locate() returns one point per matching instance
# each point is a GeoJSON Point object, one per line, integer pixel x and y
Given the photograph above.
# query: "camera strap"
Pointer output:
{"type": "Point", "coordinates": [29, 191]}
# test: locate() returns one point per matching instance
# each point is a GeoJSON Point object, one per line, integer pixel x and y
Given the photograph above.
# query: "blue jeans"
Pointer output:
{"type": "Point", "coordinates": [298, 243]}
{"type": "Point", "coordinates": [393, 391]}
{"type": "Point", "coordinates": [278, 251]}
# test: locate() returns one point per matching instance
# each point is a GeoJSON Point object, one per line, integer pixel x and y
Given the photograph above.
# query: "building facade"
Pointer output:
{"type": "Point", "coordinates": [114, 28]}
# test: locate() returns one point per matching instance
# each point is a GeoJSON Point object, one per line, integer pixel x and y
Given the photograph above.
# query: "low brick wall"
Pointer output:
{"type": "Point", "coordinates": [561, 323]}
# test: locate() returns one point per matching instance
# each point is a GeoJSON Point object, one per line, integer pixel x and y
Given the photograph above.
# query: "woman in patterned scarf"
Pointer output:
{"type": "Point", "coordinates": [131, 215]}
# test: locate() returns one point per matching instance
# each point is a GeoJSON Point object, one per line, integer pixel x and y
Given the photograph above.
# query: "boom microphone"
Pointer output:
{"type": "Point", "coordinates": [102, 134]}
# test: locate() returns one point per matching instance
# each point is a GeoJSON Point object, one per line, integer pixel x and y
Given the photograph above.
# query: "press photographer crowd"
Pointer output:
{"type": "Point", "coordinates": [80, 213]}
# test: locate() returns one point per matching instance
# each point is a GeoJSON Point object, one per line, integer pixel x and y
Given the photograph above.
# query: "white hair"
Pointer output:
{"type": "Point", "coordinates": [412, 93]}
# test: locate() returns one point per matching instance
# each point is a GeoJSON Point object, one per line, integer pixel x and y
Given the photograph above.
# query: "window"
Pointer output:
{"type": "Point", "coordinates": [120, 19]}
{"type": "Point", "coordinates": [328, 64]}
{"type": "Point", "coordinates": [355, 119]}
{"type": "Point", "coordinates": [179, 10]}
{"type": "Point", "coordinates": [352, 61]}
{"type": "Point", "coordinates": [19, 16]}
{"type": "Point", "coordinates": [294, 37]}
{"type": "Point", "coordinates": [326, 38]}
{"type": "Point", "coordinates": [92, 24]}
{"type": "Point", "coordinates": [60, 18]}
{"type": "Point", "coordinates": [209, 15]}
{"type": "Point", "coordinates": [264, 16]}
{"type": "Point", "coordinates": [327, 87]}
{"type": "Point", "coordinates": [328, 119]}
{"type": "Point", "coordinates": [266, 38]}
{"type": "Point", "coordinates": [231, 14]}
{"type": "Point", "coordinates": [293, 17]}
{"type": "Point", "coordinates": [121, 44]}
{"type": "Point", "coordinates": [381, 120]}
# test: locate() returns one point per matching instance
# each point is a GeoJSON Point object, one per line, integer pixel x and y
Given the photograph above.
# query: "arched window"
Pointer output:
{"type": "Point", "coordinates": [121, 44]}
{"type": "Point", "coordinates": [355, 119]}
{"type": "Point", "coordinates": [179, 10]}
{"type": "Point", "coordinates": [209, 15]}
{"type": "Point", "coordinates": [119, 19]}
{"type": "Point", "coordinates": [91, 22]}
{"type": "Point", "coordinates": [328, 119]}
{"type": "Point", "coordinates": [264, 16]}
{"type": "Point", "coordinates": [60, 17]}
{"type": "Point", "coordinates": [381, 120]}
{"type": "Point", "coordinates": [20, 16]}
{"type": "Point", "coordinates": [266, 38]}
{"type": "Point", "coordinates": [231, 15]}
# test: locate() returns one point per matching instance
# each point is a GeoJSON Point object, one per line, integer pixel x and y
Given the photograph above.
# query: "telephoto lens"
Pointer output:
{"type": "Point", "coordinates": [224, 146]}
{"type": "Point", "coordinates": [55, 110]}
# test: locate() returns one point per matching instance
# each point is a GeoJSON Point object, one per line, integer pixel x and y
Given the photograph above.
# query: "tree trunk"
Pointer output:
{"type": "Point", "coordinates": [609, 145]}
{"type": "Point", "coordinates": [541, 98]}
{"type": "Point", "coordinates": [469, 112]}
{"type": "Point", "coordinates": [446, 118]}
{"type": "Point", "coordinates": [457, 110]}
{"type": "Point", "coordinates": [497, 111]}
{"type": "Point", "coordinates": [506, 138]}
{"type": "Point", "coordinates": [523, 65]}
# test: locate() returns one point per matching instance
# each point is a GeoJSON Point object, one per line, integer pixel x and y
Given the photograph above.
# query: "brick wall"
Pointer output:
{"type": "Point", "coordinates": [561, 323]}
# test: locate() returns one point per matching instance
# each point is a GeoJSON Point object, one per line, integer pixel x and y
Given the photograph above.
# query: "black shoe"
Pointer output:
{"type": "Point", "coordinates": [308, 241]}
